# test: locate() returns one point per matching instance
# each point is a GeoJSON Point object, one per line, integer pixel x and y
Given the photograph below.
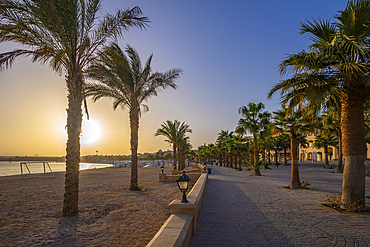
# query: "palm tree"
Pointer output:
{"type": "Point", "coordinates": [291, 122]}
{"type": "Point", "coordinates": [201, 152]}
{"type": "Point", "coordinates": [222, 137]}
{"type": "Point", "coordinates": [174, 132]}
{"type": "Point", "coordinates": [122, 78]}
{"type": "Point", "coordinates": [190, 154]}
{"type": "Point", "coordinates": [240, 147]}
{"type": "Point", "coordinates": [64, 35]}
{"type": "Point", "coordinates": [337, 61]}
{"type": "Point", "coordinates": [267, 141]}
{"type": "Point", "coordinates": [323, 140]}
{"type": "Point", "coordinates": [331, 121]}
{"type": "Point", "coordinates": [183, 147]}
{"type": "Point", "coordinates": [254, 120]}
{"type": "Point", "coordinates": [284, 142]}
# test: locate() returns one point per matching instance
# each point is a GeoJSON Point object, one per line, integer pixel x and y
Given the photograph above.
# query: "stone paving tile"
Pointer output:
{"type": "Point", "coordinates": [243, 210]}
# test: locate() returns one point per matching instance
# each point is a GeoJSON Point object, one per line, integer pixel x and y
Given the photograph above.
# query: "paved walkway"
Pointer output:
{"type": "Point", "coordinates": [243, 210]}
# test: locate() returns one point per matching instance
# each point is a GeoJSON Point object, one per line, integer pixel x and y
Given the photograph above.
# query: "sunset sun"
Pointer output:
{"type": "Point", "coordinates": [91, 131]}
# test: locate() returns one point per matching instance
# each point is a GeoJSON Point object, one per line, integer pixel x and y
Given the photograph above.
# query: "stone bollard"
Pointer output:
{"type": "Point", "coordinates": [162, 177]}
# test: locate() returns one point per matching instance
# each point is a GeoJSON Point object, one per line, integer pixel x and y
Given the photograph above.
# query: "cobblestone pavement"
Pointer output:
{"type": "Point", "coordinates": [243, 210]}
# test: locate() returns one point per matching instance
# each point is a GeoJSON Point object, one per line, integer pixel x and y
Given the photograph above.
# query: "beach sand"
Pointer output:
{"type": "Point", "coordinates": [31, 209]}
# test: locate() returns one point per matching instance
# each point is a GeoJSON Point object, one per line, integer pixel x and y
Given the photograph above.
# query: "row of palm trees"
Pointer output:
{"type": "Point", "coordinates": [74, 41]}
{"type": "Point", "coordinates": [284, 129]}
{"type": "Point", "coordinates": [269, 132]}
{"type": "Point", "coordinates": [330, 77]}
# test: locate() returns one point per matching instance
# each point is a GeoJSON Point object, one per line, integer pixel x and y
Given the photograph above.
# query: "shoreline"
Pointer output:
{"type": "Point", "coordinates": [109, 214]}
{"type": "Point", "coordinates": [12, 170]}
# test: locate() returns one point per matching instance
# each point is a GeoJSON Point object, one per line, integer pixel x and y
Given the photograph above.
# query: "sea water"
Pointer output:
{"type": "Point", "coordinates": [13, 168]}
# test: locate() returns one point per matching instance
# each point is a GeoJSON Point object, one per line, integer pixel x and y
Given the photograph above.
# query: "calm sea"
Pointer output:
{"type": "Point", "coordinates": [13, 168]}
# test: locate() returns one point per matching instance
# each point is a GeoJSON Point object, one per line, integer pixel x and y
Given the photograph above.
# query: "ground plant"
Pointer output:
{"type": "Point", "coordinates": [305, 185]}
{"type": "Point", "coordinates": [335, 201]}
{"type": "Point", "coordinates": [258, 165]}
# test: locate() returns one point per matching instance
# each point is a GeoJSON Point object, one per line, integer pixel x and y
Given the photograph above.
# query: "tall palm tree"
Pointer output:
{"type": "Point", "coordinates": [122, 78]}
{"type": "Point", "coordinates": [183, 147]}
{"type": "Point", "coordinates": [292, 122]}
{"type": "Point", "coordinates": [174, 132]}
{"type": "Point", "coordinates": [254, 120]}
{"type": "Point", "coordinates": [65, 35]}
{"type": "Point", "coordinates": [337, 60]}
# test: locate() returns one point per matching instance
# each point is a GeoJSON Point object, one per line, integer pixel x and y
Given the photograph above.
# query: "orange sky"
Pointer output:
{"type": "Point", "coordinates": [33, 116]}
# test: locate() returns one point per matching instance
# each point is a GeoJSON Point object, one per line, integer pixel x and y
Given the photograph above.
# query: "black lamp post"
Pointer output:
{"type": "Point", "coordinates": [183, 183]}
{"type": "Point", "coordinates": [162, 168]}
{"type": "Point", "coordinates": [174, 166]}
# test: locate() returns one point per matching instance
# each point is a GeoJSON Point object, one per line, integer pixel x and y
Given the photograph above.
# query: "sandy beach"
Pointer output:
{"type": "Point", "coordinates": [31, 209]}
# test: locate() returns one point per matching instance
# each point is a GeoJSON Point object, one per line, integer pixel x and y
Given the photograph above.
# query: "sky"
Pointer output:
{"type": "Point", "coordinates": [229, 52]}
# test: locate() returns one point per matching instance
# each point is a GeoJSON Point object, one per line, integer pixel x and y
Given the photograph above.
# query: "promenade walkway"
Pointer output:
{"type": "Point", "coordinates": [243, 210]}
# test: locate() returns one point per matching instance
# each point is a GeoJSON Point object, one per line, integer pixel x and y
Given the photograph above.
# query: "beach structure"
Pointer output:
{"type": "Point", "coordinates": [36, 169]}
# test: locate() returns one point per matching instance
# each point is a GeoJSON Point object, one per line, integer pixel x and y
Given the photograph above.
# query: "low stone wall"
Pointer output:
{"type": "Point", "coordinates": [181, 225]}
{"type": "Point", "coordinates": [189, 170]}
{"type": "Point", "coordinates": [163, 177]}
{"type": "Point", "coordinates": [176, 231]}
{"type": "Point", "coordinates": [195, 198]}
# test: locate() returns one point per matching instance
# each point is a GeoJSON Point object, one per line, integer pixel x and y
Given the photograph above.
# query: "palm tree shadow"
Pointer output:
{"type": "Point", "coordinates": [67, 232]}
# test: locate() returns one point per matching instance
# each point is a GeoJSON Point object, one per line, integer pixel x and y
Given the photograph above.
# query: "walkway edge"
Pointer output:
{"type": "Point", "coordinates": [181, 225]}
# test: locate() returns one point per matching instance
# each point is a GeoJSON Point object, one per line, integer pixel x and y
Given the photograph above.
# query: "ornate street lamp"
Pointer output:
{"type": "Point", "coordinates": [162, 168]}
{"type": "Point", "coordinates": [174, 166]}
{"type": "Point", "coordinates": [183, 183]}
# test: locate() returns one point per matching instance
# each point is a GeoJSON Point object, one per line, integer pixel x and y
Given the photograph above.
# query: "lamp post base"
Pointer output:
{"type": "Point", "coordinates": [184, 200]}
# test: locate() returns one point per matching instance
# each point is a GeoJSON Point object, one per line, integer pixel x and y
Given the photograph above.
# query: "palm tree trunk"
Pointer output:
{"type": "Point", "coordinates": [256, 154]}
{"type": "Point", "coordinates": [235, 161]}
{"type": "Point", "coordinates": [276, 157]}
{"type": "Point", "coordinates": [295, 182]}
{"type": "Point", "coordinates": [340, 156]}
{"type": "Point", "coordinates": [255, 150]}
{"type": "Point", "coordinates": [134, 127]}
{"type": "Point", "coordinates": [285, 159]}
{"type": "Point", "coordinates": [179, 159]}
{"type": "Point", "coordinates": [257, 172]}
{"type": "Point", "coordinates": [182, 160]}
{"type": "Point", "coordinates": [269, 159]}
{"type": "Point", "coordinates": [174, 154]}
{"type": "Point", "coordinates": [326, 157]}
{"type": "Point", "coordinates": [240, 162]}
{"type": "Point", "coordinates": [74, 120]}
{"type": "Point", "coordinates": [354, 145]}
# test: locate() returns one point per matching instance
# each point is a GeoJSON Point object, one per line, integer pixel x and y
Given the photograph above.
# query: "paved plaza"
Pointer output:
{"type": "Point", "coordinates": [243, 210]}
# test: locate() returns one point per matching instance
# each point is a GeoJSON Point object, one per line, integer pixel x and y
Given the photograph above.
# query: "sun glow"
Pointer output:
{"type": "Point", "coordinates": [90, 131]}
